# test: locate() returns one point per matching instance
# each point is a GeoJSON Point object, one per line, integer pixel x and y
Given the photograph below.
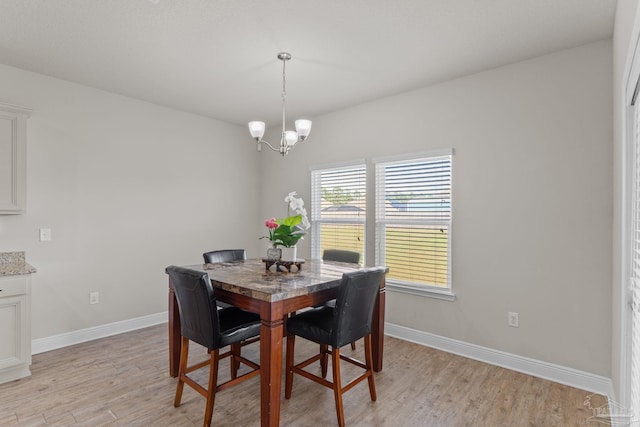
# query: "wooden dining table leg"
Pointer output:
{"type": "Point", "coordinates": [271, 332]}
{"type": "Point", "coordinates": [175, 343]}
{"type": "Point", "coordinates": [377, 335]}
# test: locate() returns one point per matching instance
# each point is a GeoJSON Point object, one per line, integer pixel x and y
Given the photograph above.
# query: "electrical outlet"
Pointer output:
{"type": "Point", "coordinates": [94, 297]}
{"type": "Point", "coordinates": [514, 319]}
{"type": "Point", "coordinates": [45, 234]}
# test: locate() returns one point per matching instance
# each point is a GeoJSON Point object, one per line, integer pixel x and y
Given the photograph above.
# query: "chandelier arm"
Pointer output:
{"type": "Point", "coordinates": [262, 141]}
{"type": "Point", "coordinates": [291, 147]}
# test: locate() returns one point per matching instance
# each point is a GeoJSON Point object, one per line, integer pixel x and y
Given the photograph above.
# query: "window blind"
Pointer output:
{"type": "Point", "coordinates": [338, 209]}
{"type": "Point", "coordinates": [413, 219]}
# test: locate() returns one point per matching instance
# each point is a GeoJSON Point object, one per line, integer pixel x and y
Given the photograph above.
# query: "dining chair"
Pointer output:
{"type": "Point", "coordinates": [349, 320]}
{"type": "Point", "coordinates": [224, 255]}
{"type": "Point", "coordinates": [203, 323]}
{"type": "Point", "coordinates": [228, 255]}
{"type": "Point", "coordinates": [342, 256]}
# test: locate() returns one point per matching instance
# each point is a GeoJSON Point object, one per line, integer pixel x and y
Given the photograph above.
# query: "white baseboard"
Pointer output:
{"type": "Point", "coordinates": [83, 335]}
{"type": "Point", "coordinates": [549, 371]}
{"type": "Point", "coordinates": [10, 374]}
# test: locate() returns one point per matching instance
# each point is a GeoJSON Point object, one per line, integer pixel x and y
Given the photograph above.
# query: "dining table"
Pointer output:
{"type": "Point", "coordinates": [274, 290]}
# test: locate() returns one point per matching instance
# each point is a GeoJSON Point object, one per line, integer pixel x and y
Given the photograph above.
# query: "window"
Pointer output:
{"type": "Point", "coordinates": [338, 208]}
{"type": "Point", "coordinates": [413, 222]}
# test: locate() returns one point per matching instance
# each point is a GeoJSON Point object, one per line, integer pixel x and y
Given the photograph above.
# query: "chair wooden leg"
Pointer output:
{"type": "Point", "coordinates": [288, 380]}
{"type": "Point", "coordinates": [337, 385]}
{"type": "Point", "coordinates": [211, 390]}
{"type": "Point", "coordinates": [234, 363]}
{"type": "Point", "coordinates": [324, 361]}
{"type": "Point", "coordinates": [353, 345]}
{"type": "Point", "coordinates": [368, 360]}
{"type": "Point", "coordinates": [184, 354]}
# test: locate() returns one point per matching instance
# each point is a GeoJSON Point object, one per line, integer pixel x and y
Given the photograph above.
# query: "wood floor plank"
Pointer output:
{"type": "Point", "coordinates": [124, 381]}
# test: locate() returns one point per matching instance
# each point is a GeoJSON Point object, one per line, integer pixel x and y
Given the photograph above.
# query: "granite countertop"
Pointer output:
{"type": "Point", "coordinates": [13, 264]}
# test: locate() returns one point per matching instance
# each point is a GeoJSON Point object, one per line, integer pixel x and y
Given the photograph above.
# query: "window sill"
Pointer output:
{"type": "Point", "coordinates": [422, 291]}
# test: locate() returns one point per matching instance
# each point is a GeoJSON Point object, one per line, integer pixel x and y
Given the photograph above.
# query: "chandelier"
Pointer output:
{"type": "Point", "coordinates": [289, 138]}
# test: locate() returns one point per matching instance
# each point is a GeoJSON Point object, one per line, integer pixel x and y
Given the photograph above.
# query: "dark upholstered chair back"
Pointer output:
{"type": "Point", "coordinates": [354, 305]}
{"type": "Point", "coordinates": [349, 320]}
{"type": "Point", "coordinates": [341, 255]}
{"type": "Point", "coordinates": [202, 322]}
{"type": "Point", "coordinates": [225, 255]}
{"type": "Point", "coordinates": [197, 305]}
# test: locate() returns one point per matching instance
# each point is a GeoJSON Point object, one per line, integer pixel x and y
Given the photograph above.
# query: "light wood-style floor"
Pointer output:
{"type": "Point", "coordinates": [124, 381]}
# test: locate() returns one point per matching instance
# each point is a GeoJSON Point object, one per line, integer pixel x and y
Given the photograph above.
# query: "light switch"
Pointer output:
{"type": "Point", "coordinates": [45, 234]}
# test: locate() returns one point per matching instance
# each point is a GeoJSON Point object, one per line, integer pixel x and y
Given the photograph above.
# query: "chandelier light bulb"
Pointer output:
{"type": "Point", "coordinates": [257, 130]}
{"type": "Point", "coordinates": [303, 127]}
{"type": "Point", "coordinates": [291, 137]}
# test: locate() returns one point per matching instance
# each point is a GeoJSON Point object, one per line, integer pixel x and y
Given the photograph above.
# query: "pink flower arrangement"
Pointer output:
{"type": "Point", "coordinates": [271, 225]}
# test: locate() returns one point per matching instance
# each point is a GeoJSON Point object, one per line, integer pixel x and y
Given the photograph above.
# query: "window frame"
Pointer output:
{"type": "Point", "coordinates": [316, 198]}
{"type": "Point", "coordinates": [408, 287]}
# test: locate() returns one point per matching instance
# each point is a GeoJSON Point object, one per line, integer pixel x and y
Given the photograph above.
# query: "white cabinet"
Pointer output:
{"type": "Point", "coordinates": [13, 158]}
{"type": "Point", "coordinates": [15, 327]}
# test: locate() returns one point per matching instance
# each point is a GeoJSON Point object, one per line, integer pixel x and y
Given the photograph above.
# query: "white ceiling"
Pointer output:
{"type": "Point", "coordinates": [218, 57]}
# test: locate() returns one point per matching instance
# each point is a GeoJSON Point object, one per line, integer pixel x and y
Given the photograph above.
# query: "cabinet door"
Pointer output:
{"type": "Point", "coordinates": [13, 158]}
{"type": "Point", "coordinates": [13, 320]}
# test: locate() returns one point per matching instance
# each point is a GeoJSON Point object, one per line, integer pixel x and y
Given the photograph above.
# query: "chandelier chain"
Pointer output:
{"type": "Point", "coordinates": [284, 94]}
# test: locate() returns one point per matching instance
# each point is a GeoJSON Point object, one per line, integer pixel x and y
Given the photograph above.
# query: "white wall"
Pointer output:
{"type": "Point", "coordinates": [626, 14]}
{"type": "Point", "coordinates": [532, 199]}
{"type": "Point", "coordinates": [127, 188]}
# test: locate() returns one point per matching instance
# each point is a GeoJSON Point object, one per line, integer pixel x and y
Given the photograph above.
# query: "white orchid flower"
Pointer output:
{"type": "Point", "coordinates": [290, 197]}
{"type": "Point", "coordinates": [305, 222]}
{"type": "Point", "coordinates": [303, 213]}
{"type": "Point", "coordinates": [296, 205]}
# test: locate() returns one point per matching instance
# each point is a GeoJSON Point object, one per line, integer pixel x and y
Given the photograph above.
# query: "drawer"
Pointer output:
{"type": "Point", "coordinates": [10, 286]}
